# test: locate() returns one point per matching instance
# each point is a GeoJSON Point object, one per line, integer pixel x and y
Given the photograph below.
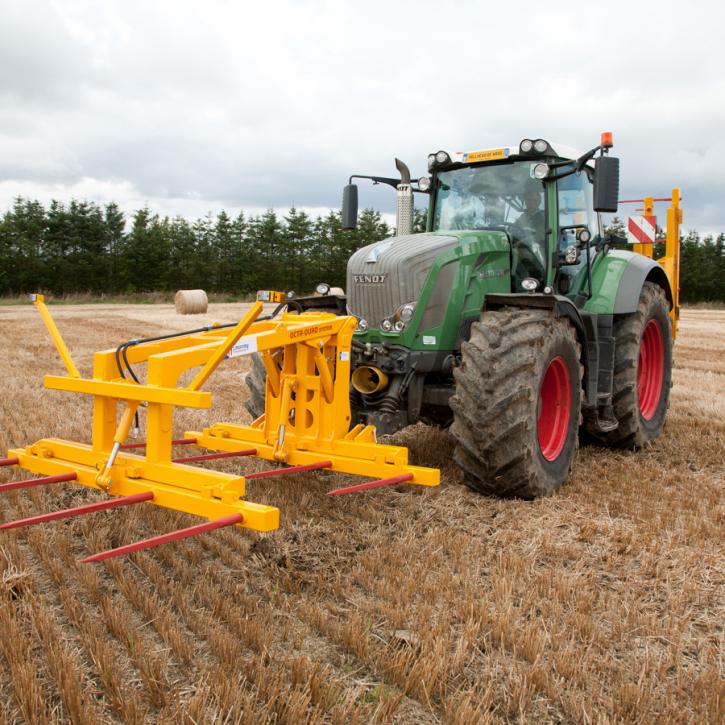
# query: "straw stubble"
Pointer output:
{"type": "Point", "coordinates": [602, 603]}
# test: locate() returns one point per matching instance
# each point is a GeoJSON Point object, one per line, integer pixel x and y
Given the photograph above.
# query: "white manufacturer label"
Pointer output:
{"type": "Point", "coordinates": [244, 346]}
{"type": "Point", "coordinates": [429, 339]}
{"type": "Point", "coordinates": [344, 356]}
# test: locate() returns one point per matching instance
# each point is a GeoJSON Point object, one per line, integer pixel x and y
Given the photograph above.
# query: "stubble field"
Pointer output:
{"type": "Point", "coordinates": [604, 603]}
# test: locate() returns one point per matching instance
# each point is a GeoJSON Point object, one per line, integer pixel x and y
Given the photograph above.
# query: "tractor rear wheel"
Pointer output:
{"type": "Point", "coordinates": [642, 371]}
{"type": "Point", "coordinates": [517, 403]}
{"type": "Point", "coordinates": [256, 381]}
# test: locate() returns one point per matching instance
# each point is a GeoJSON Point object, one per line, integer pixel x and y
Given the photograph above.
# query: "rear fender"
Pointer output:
{"type": "Point", "coordinates": [617, 281]}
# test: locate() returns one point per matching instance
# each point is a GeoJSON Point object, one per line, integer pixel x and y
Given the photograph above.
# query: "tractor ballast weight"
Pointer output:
{"type": "Point", "coordinates": [306, 423]}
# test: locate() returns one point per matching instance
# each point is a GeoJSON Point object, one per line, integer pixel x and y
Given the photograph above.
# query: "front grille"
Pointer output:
{"type": "Point", "coordinates": [383, 276]}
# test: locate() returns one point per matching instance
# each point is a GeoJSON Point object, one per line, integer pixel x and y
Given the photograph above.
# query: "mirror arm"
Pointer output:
{"type": "Point", "coordinates": [606, 240]}
{"type": "Point", "coordinates": [579, 164]}
{"type": "Point", "coordinates": [386, 180]}
{"type": "Point", "coordinates": [377, 180]}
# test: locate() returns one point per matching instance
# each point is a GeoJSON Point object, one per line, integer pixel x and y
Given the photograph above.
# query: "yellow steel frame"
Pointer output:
{"type": "Point", "coordinates": [671, 259]}
{"type": "Point", "coordinates": [306, 418]}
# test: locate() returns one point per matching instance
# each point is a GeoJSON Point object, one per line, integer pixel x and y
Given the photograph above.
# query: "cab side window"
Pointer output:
{"type": "Point", "coordinates": [576, 210]}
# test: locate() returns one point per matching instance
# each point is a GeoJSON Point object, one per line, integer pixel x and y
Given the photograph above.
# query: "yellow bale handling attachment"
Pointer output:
{"type": "Point", "coordinates": [306, 423]}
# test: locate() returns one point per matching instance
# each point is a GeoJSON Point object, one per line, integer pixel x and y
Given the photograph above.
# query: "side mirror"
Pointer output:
{"type": "Point", "coordinates": [349, 207]}
{"type": "Point", "coordinates": [606, 184]}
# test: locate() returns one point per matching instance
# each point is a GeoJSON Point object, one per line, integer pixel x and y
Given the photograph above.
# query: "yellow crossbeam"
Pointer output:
{"type": "Point", "coordinates": [130, 391]}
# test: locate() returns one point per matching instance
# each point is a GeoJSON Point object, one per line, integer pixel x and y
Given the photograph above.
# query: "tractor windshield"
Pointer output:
{"type": "Point", "coordinates": [500, 197]}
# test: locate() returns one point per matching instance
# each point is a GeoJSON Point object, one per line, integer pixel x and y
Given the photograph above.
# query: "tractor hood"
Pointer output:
{"type": "Point", "coordinates": [385, 275]}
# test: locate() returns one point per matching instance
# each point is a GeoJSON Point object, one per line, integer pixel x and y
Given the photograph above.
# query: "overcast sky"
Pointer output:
{"type": "Point", "coordinates": [191, 107]}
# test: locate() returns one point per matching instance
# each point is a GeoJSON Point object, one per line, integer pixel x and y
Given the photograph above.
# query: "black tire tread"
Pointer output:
{"type": "Point", "coordinates": [256, 381]}
{"type": "Point", "coordinates": [627, 334]}
{"type": "Point", "coordinates": [496, 401]}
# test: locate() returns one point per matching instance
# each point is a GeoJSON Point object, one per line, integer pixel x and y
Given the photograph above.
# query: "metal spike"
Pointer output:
{"type": "Point", "coordinates": [38, 481]}
{"type": "Point", "coordinates": [87, 508]}
{"type": "Point", "coordinates": [291, 469]}
{"type": "Point", "coordinates": [143, 444]}
{"type": "Point", "coordinates": [166, 538]}
{"type": "Point", "coordinates": [214, 456]}
{"type": "Point", "coordinates": [372, 484]}
{"type": "Point", "coordinates": [9, 461]}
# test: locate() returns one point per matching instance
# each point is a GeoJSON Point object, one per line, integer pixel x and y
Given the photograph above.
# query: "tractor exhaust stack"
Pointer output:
{"type": "Point", "coordinates": [404, 215]}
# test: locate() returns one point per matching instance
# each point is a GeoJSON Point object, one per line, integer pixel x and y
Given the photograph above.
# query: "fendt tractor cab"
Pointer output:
{"type": "Point", "coordinates": [511, 318]}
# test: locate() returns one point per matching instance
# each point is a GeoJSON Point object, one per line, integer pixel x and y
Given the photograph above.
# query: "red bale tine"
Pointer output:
{"type": "Point", "coordinates": [9, 461]}
{"type": "Point", "coordinates": [142, 444]}
{"type": "Point", "coordinates": [372, 484]}
{"type": "Point", "coordinates": [214, 456]}
{"type": "Point", "coordinates": [79, 510]}
{"type": "Point", "coordinates": [29, 483]}
{"type": "Point", "coordinates": [166, 538]}
{"type": "Point", "coordinates": [291, 469]}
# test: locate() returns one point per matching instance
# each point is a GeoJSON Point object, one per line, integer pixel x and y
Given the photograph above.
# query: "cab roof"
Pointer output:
{"type": "Point", "coordinates": [561, 151]}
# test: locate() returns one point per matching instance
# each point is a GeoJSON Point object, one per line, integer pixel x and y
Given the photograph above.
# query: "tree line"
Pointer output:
{"type": "Point", "coordinates": [83, 247]}
{"type": "Point", "coordinates": [86, 248]}
{"type": "Point", "coordinates": [702, 263]}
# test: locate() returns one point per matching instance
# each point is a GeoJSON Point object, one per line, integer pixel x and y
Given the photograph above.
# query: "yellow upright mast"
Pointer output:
{"type": "Point", "coordinates": [671, 260]}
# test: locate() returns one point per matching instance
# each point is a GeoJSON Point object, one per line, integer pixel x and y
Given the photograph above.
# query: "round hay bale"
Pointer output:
{"type": "Point", "coordinates": [191, 302]}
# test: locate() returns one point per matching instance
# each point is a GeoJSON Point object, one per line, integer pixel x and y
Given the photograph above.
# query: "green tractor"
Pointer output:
{"type": "Point", "coordinates": [511, 320]}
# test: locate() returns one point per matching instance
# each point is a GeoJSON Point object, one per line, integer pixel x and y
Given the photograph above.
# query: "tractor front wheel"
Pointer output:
{"type": "Point", "coordinates": [256, 381]}
{"type": "Point", "coordinates": [517, 403]}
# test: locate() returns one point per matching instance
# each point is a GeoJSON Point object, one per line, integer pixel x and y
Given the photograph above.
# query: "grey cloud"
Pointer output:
{"type": "Point", "coordinates": [243, 105]}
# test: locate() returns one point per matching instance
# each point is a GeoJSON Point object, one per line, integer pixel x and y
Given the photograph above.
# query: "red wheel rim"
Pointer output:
{"type": "Point", "coordinates": [650, 370]}
{"type": "Point", "coordinates": [554, 409]}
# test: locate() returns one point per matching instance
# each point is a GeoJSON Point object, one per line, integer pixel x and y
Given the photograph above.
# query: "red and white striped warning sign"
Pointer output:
{"type": "Point", "coordinates": [641, 229]}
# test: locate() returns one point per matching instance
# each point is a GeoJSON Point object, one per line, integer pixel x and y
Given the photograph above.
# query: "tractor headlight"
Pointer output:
{"type": "Point", "coordinates": [541, 171]}
{"type": "Point", "coordinates": [540, 146]}
{"type": "Point", "coordinates": [322, 289]}
{"type": "Point", "coordinates": [442, 158]}
{"type": "Point", "coordinates": [584, 236]}
{"type": "Point", "coordinates": [571, 255]}
{"type": "Point", "coordinates": [405, 313]}
{"type": "Point", "coordinates": [424, 183]}
{"type": "Point", "coordinates": [529, 284]}
{"type": "Point", "coordinates": [362, 325]}
{"type": "Point", "coordinates": [387, 325]}
{"type": "Point", "coordinates": [431, 161]}
{"type": "Point", "coordinates": [526, 145]}
{"type": "Point", "coordinates": [399, 326]}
